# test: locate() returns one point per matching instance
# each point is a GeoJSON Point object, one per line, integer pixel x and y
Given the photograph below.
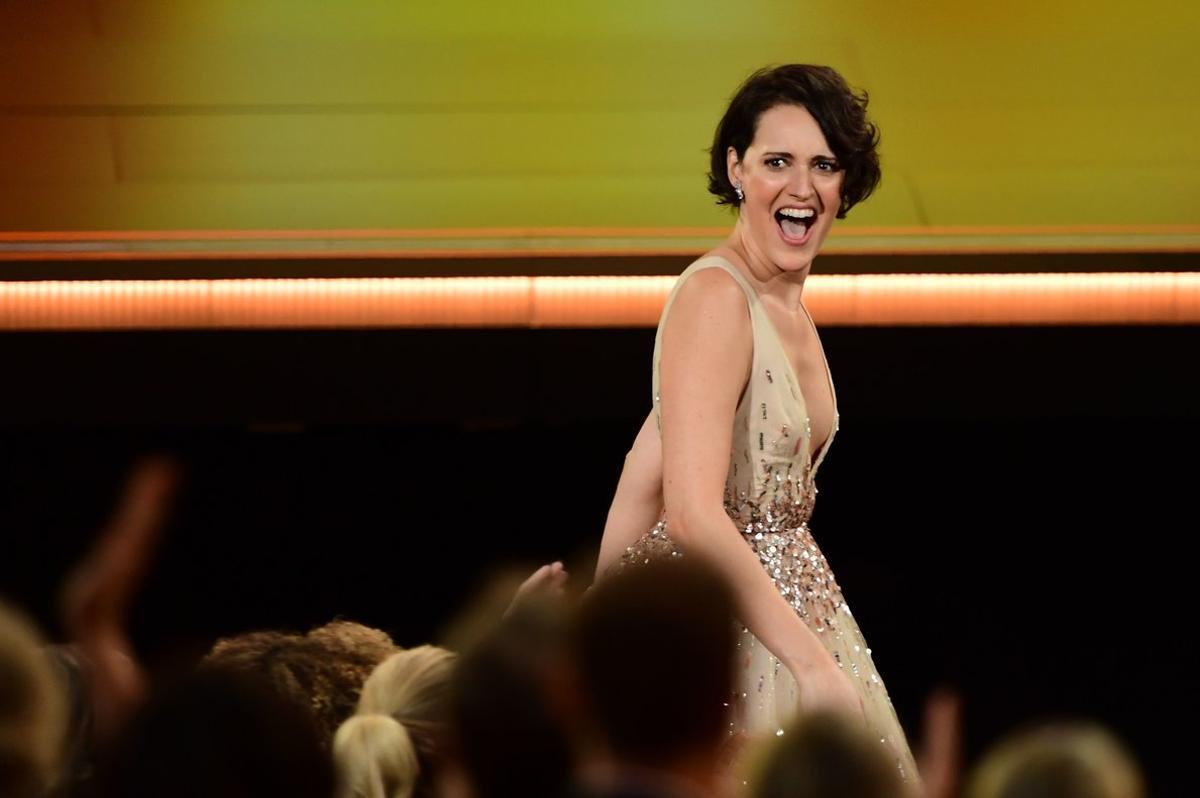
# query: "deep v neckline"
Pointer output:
{"type": "Point", "coordinates": [814, 461]}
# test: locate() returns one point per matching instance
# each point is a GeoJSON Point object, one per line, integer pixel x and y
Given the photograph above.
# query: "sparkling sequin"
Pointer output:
{"type": "Point", "coordinates": [775, 525]}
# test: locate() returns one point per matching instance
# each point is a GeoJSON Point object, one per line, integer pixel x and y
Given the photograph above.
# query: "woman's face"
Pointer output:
{"type": "Point", "coordinates": [792, 185]}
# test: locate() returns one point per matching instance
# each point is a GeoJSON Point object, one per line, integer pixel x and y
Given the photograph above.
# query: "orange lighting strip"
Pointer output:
{"type": "Point", "coordinates": [836, 300]}
{"type": "Point", "coordinates": [509, 242]}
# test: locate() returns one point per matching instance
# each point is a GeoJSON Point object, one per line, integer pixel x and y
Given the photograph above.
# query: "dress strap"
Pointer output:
{"type": "Point", "coordinates": [707, 262]}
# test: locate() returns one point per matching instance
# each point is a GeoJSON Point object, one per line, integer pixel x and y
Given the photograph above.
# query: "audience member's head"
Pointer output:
{"type": "Point", "coordinates": [222, 733]}
{"type": "Point", "coordinates": [508, 741]}
{"type": "Point", "coordinates": [323, 670]}
{"type": "Point", "coordinates": [33, 710]}
{"type": "Point", "coordinates": [1070, 760]}
{"type": "Point", "coordinates": [375, 758]}
{"type": "Point", "coordinates": [826, 756]}
{"type": "Point", "coordinates": [389, 749]}
{"type": "Point", "coordinates": [653, 649]}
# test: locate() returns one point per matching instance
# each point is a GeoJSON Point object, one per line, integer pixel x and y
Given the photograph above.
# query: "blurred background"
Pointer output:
{"type": "Point", "coordinates": [289, 114]}
{"type": "Point", "coordinates": [1006, 504]}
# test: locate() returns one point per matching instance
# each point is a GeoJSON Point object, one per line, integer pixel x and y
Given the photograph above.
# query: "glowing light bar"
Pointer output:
{"type": "Point", "coordinates": [508, 242]}
{"type": "Point", "coordinates": [837, 300]}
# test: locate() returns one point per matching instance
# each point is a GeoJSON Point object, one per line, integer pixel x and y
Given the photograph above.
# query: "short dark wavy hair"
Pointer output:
{"type": "Point", "coordinates": [839, 110]}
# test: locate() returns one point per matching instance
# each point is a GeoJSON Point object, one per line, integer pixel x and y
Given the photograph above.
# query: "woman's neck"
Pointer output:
{"type": "Point", "coordinates": [782, 287]}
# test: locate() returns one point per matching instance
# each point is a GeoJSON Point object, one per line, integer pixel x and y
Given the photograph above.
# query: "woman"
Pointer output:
{"type": "Point", "coordinates": [744, 407]}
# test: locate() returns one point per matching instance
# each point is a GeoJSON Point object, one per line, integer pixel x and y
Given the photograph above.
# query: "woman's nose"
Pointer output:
{"type": "Point", "coordinates": [802, 184]}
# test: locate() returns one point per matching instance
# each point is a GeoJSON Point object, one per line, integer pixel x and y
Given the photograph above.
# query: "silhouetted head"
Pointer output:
{"type": "Point", "coordinates": [653, 647]}
{"type": "Point", "coordinates": [322, 671]}
{"type": "Point", "coordinates": [222, 733]}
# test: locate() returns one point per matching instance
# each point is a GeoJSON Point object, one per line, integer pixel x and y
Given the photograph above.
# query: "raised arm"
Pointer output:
{"type": "Point", "coordinates": [99, 593]}
{"type": "Point", "coordinates": [705, 360]}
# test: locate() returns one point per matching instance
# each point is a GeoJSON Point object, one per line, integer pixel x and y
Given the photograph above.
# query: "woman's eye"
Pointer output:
{"type": "Point", "coordinates": [776, 163]}
{"type": "Point", "coordinates": [827, 166]}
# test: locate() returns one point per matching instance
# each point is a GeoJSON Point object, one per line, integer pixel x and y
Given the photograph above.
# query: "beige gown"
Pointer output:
{"type": "Point", "coordinates": [769, 494]}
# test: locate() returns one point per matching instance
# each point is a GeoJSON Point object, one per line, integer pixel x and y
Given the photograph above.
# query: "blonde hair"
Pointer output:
{"type": "Point", "coordinates": [375, 758]}
{"type": "Point", "coordinates": [1068, 760]}
{"type": "Point", "coordinates": [33, 710]}
{"type": "Point", "coordinates": [823, 755]}
{"type": "Point", "coordinates": [382, 751]}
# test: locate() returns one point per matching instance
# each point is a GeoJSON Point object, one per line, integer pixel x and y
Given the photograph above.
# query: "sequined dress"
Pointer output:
{"type": "Point", "coordinates": [769, 494]}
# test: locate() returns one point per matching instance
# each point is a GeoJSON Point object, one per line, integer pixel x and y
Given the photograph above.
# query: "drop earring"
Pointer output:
{"type": "Point", "coordinates": [737, 189]}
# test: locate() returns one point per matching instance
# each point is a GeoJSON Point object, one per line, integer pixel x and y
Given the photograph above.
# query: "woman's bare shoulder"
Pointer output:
{"type": "Point", "coordinates": [711, 292]}
{"type": "Point", "coordinates": [709, 325]}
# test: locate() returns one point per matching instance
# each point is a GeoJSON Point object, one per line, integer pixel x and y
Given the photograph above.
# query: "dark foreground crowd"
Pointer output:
{"type": "Point", "coordinates": [622, 692]}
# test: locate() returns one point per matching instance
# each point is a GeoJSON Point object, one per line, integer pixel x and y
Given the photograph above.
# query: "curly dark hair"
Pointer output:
{"type": "Point", "coordinates": [838, 109]}
{"type": "Point", "coordinates": [322, 671]}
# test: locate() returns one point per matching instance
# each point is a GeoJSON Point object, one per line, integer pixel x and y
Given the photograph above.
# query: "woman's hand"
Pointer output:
{"type": "Point", "coordinates": [824, 687]}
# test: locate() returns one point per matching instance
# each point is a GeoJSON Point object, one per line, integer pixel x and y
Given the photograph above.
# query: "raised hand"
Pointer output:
{"type": "Point", "coordinates": [547, 582]}
{"type": "Point", "coordinates": [97, 595]}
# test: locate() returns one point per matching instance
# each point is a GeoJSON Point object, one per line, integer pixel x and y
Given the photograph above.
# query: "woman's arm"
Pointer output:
{"type": "Point", "coordinates": [637, 503]}
{"type": "Point", "coordinates": [705, 360]}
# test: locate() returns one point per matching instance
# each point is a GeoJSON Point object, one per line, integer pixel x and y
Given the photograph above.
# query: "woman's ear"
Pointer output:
{"type": "Point", "coordinates": [733, 167]}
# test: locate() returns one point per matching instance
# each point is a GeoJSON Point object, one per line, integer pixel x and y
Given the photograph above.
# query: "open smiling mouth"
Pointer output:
{"type": "Point", "coordinates": [795, 223]}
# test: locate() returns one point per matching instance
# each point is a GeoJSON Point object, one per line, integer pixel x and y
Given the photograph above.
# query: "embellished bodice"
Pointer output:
{"type": "Point", "coordinates": [771, 474]}
{"type": "Point", "coordinates": [769, 488]}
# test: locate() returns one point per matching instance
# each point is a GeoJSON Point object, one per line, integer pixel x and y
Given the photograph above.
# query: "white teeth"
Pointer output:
{"type": "Point", "coordinates": [798, 213]}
